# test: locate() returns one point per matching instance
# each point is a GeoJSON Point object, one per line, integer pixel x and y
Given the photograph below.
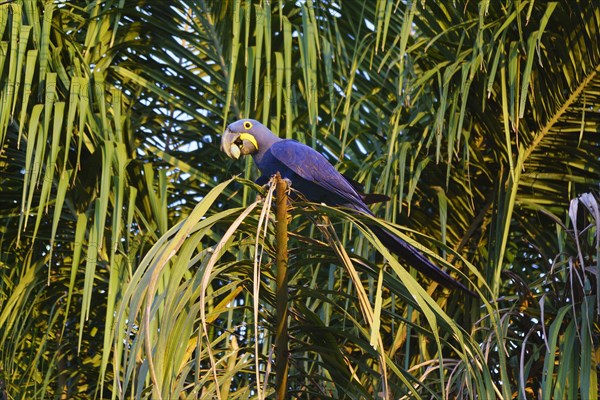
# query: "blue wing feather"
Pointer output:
{"type": "Point", "coordinates": [311, 174]}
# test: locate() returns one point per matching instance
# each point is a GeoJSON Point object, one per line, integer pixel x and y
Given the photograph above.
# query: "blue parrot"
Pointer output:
{"type": "Point", "coordinates": [318, 181]}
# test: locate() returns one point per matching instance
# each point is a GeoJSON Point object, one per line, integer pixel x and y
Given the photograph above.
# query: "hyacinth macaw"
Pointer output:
{"type": "Point", "coordinates": [318, 181]}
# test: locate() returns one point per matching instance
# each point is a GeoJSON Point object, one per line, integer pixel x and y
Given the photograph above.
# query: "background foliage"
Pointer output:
{"type": "Point", "coordinates": [131, 266]}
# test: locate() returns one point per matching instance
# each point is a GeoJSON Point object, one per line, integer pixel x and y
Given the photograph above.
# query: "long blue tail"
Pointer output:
{"type": "Point", "coordinates": [417, 260]}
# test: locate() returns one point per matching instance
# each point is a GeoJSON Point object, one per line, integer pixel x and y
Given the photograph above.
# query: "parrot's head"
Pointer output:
{"type": "Point", "coordinates": [245, 137]}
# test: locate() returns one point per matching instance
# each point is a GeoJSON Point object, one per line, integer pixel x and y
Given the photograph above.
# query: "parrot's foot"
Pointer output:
{"type": "Point", "coordinates": [267, 185]}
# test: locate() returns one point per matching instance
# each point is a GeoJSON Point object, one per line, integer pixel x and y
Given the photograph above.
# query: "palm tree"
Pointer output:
{"type": "Point", "coordinates": [132, 265]}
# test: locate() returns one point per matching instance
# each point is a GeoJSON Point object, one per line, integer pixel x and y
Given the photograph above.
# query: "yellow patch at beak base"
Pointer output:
{"type": "Point", "coordinates": [250, 138]}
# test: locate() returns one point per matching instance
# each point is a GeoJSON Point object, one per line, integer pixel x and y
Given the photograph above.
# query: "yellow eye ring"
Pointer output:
{"type": "Point", "coordinates": [247, 125]}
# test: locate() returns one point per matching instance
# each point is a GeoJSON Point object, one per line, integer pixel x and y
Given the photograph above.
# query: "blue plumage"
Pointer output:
{"type": "Point", "coordinates": [312, 175]}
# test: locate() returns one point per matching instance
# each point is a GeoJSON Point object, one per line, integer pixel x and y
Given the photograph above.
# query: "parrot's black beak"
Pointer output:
{"type": "Point", "coordinates": [228, 144]}
{"type": "Point", "coordinates": [236, 144]}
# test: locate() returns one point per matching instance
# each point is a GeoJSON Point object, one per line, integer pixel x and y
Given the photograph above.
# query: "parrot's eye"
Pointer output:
{"type": "Point", "coordinates": [247, 125]}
